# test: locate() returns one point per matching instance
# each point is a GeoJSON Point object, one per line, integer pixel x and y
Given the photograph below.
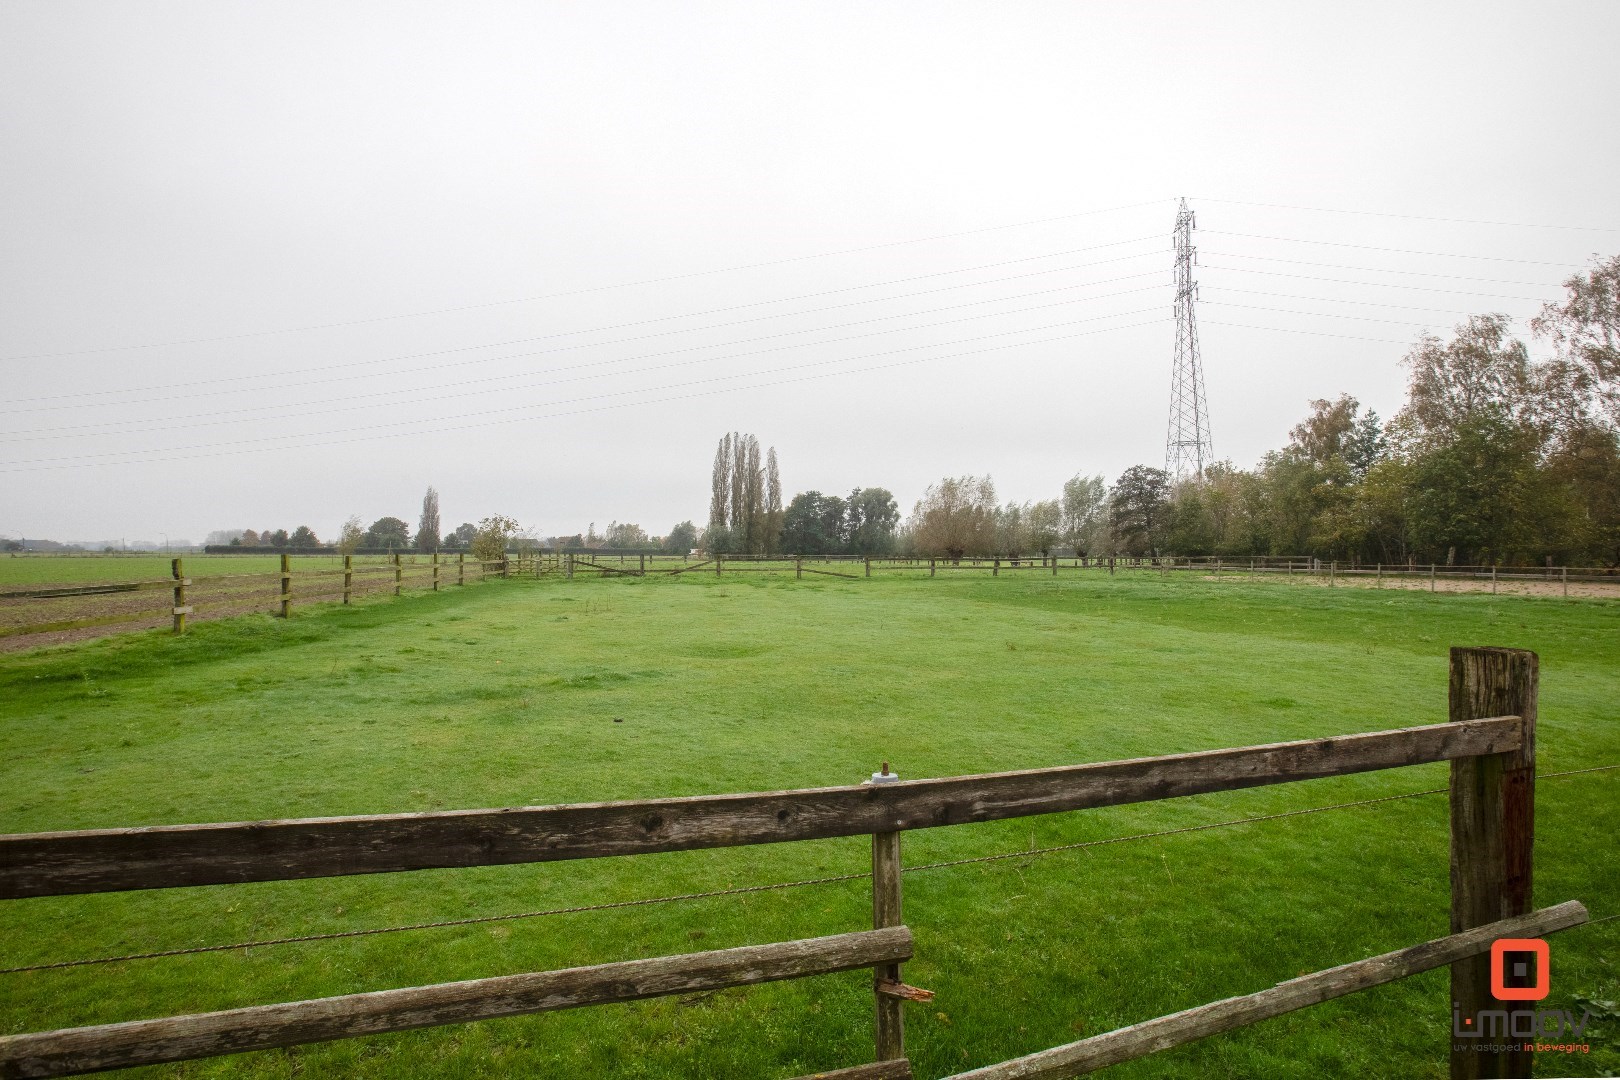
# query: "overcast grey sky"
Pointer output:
{"type": "Point", "coordinates": [274, 264]}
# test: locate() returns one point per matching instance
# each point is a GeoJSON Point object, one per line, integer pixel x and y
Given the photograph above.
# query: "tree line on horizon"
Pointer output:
{"type": "Point", "coordinates": [1494, 458]}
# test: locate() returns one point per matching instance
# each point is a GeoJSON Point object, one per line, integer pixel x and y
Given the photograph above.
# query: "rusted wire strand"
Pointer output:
{"type": "Point", "coordinates": [776, 886]}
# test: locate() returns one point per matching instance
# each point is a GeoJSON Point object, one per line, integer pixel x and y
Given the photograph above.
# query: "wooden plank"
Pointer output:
{"type": "Point", "coordinates": [829, 573]}
{"type": "Point", "coordinates": [76, 624]}
{"type": "Point", "coordinates": [1492, 832]}
{"type": "Point", "coordinates": [260, 1027]}
{"type": "Point", "coordinates": [1176, 1029]}
{"type": "Point", "coordinates": [101, 860]}
{"type": "Point", "coordinates": [98, 589]}
{"type": "Point", "coordinates": [881, 1070]}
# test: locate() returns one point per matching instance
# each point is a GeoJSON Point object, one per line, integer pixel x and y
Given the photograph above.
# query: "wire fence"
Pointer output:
{"type": "Point", "coordinates": [1031, 852]}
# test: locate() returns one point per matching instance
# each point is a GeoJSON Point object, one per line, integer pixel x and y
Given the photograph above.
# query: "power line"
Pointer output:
{"type": "Point", "coordinates": [175, 423]}
{"type": "Point", "coordinates": [284, 373]}
{"type": "Point", "coordinates": [304, 441]}
{"type": "Point", "coordinates": [1409, 217]}
{"type": "Point", "coordinates": [1313, 333]}
{"type": "Point", "coordinates": [1376, 284]}
{"type": "Point", "coordinates": [1372, 269]}
{"type": "Point", "coordinates": [1316, 314]}
{"type": "Point", "coordinates": [1338, 300]}
{"type": "Point", "coordinates": [578, 292]}
{"type": "Point", "coordinates": [642, 356]}
{"type": "Point", "coordinates": [1398, 251]}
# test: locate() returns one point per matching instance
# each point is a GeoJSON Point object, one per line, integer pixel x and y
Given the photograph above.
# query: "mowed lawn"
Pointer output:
{"type": "Point", "coordinates": [527, 692]}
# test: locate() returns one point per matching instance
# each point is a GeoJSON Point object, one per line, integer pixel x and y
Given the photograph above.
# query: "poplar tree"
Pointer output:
{"type": "Point", "coordinates": [773, 504]}
{"type": "Point", "coordinates": [715, 539]}
{"type": "Point", "coordinates": [427, 530]}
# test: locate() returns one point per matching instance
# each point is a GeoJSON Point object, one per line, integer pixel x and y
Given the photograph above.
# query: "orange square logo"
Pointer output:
{"type": "Point", "coordinates": [1511, 960]}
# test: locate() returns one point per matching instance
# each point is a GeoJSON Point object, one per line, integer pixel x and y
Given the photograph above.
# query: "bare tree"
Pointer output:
{"type": "Point", "coordinates": [427, 530]}
{"type": "Point", "coordinates": [349, 538]}
{"type": "Point", "coordinates": [1044, 524]}
{"type": "Point", "coordinates": [956, 517]}
{"type": "Point", "coordinates": [1012, 529]}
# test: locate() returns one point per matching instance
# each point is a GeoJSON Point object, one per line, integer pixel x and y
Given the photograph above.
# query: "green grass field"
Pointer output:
{"type": "Point", "coordinates": [508, 695]}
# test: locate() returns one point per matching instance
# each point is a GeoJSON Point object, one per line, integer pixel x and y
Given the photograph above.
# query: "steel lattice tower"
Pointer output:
{"type": "Point", "coordinates": [1187, 448]}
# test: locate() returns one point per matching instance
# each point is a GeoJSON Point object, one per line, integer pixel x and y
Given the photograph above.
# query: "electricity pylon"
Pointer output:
{"type": "Point", "coordinates": [1187, 448]}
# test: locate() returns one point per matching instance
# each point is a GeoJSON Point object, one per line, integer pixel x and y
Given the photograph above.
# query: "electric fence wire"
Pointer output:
{"type": "Point", "coordinates": [1027, 853]}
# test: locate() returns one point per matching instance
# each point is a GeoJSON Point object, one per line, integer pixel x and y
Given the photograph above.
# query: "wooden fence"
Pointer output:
{"type": "Point", "coordinates": [41, 612]}
{"type": "Point", "coordinates": [1304, 568]}
{"type": "Point", "coordinates": [1489, 740]}
{"type": "Point", "coordinates": [54, 609]}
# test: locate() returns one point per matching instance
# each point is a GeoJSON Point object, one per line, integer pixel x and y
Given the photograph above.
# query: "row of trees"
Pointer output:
{"type": "Point", "coordinates": [1493, 458]}
{"type": "Point", "coordinates": [745, 500]}
{"type": "Point", "coordinates": [959, 517]}
{"type": "Point", "coordinates": [817, 524]}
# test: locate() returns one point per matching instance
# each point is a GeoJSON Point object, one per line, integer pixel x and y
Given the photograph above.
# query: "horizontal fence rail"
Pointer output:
{"type": "Point", "coordinates": [261, 1027]}
{"type": "Point", "coordinates": [1176, 1029]}
{"type": "Point", "coordinates": [102, 860]}
{"type": "Point", "coordinates": [33, 614]}
{"type": "Point", "coordinates": [47, 609]}
{"type": "Point", "coordinates": [1489, 742]}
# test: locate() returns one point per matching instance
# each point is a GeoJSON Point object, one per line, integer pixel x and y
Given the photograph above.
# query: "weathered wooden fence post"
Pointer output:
{"type": "Point", "coordinates": [798, 567]}
{"type": "Point", "coordinates": [1493, 579]}
{"type": "Point", "coordinates": [461, 568]}
{"type": "Point", "coordinates": [1563, 574]}
{"type": "Point", "coordinates": [180, 608]}
{"type": "Point", "coordinates": [286, 585]}
{"type": "Point", "coordinates": [506, 565]}
{"type": "Point", "coordinates": [995, 566]}
{"type": "Point", "coordinates": [869, 566]}
{"type": "Point", "coordinates": [643, 570]}
{"type": "Point", "coordinates": [348, 578]}
{"type": "Point", "coordinates": [435, 571]}
{"type": "Point", "coordinates": [930, 567]}
{"type": "Point", "coordinates": [1431, 577]}
{"type": "Point", "coordinates": [717, 564]}
{"type": "Point", "coordinates": [891, 1039]}
{"type": "Point", "coordinates": [1492, 831]}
